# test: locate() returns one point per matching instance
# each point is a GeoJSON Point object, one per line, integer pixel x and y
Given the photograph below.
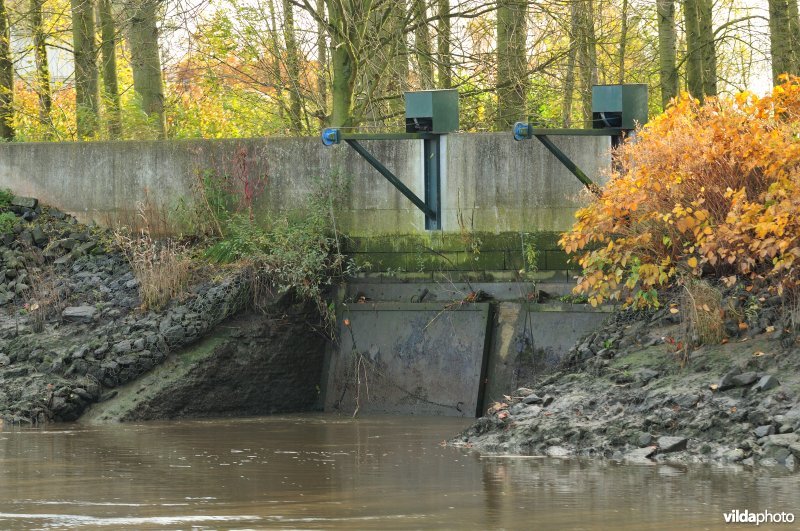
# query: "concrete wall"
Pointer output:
{"type": "Point", "coordinates": [443, 358]}
{"type": "Point", "coordinates": [491, 182]}
{"type": "Point", "coordinates": [500, 185]}
{"type": "Point", "coordinates": [411, 359]}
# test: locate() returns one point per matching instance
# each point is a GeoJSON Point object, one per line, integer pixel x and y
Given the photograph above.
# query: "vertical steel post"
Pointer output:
{"type": "Point", "coordinates": [433, 191]}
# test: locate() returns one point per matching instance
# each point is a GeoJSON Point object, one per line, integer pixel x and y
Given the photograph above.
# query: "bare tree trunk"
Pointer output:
{"type": "Point", "coordinates": [344, 66]}
{"type": "Point", "coordinates": [707, 47]}
{"type": "Point", "coordinates": [42, 67]}
{"type": "Point", "coordinates": [668, 69]}
{"type": "Point", "coordinates": [588, 60]}
{"type": "Point", "coordinates": [292, 68]}
{"type": "Point", "coordinates": [86, 75]}
{"type": "Point", "coordinates": [512, 67]}
{"type": "Point", "coordinates": [623, 40]}
{"type": "Point", "coordinates": [384, 68]}
{"type": "Point", "coordinates": [780, 39]}
{"type": "Point", "coordinates": [108, 58]}
{"type": "Point", "coordinates": [444, 66]}
{"type": "Point", "coordinates": [146, 61]}
{"type": "Point", "coordinates": [569, 80]}
{"type": "Point", "coordinates": [694, 60]}
{"type": "Point", "coordinates": [397, 81]}
{"type": "Point", "coordinates": [322, 59]}
{"type": "Point", "coordinates": [6, 77]}
{"type": "Point", "coordinates": [794, 35]}
{"type": "Point", "coordinates": [277, 55]}
{"type": "Point", "coordinates": [422, 44]}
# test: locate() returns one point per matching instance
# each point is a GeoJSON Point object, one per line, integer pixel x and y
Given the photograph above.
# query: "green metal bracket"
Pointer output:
{"type": "Point", "coordinates": [383, 170]}
{"type": "Point", "coordinates": [567, 162]}
{"type": "Point", "coordinates": [431, 206]}
{"type": "Point", "coordinates": [331, 136]}
{"type": "Point", "coordinates": [523, 131]}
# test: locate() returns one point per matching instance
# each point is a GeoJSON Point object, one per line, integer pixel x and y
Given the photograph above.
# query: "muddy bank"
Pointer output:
{"type": "Point", "coordinates": [628, 395]}
{"type": "Point", "coordinates": [251, 364]}
{"type": "Point", "coordinates": [72, 330]}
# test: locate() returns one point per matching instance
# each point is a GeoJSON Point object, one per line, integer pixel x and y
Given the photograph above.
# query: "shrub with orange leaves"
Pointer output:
{"type": "Point", "coordinates": [706, 190]}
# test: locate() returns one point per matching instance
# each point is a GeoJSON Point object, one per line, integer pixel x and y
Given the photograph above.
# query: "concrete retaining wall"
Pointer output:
{"type": "Point", "coordinates": [491, 183]}
{"type": "Point", "coordinates": [528, 340]}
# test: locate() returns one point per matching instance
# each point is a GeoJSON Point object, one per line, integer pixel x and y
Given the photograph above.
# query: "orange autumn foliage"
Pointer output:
{"type": "Point", "coordinates": [710, 189]}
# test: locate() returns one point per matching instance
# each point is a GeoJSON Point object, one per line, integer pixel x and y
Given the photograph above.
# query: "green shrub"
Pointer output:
{"type": "Point", "coordinates": [6, 196]}
{"type": "Point", "coordinates": [7, 222]}
{"type": "Point", "coordinates": [298, 251]}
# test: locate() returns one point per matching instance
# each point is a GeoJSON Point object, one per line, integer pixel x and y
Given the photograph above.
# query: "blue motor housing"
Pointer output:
{"type": "Point", "coordinates": [331, 136]}
{"type": "Point", "coordinates": [522, 131]}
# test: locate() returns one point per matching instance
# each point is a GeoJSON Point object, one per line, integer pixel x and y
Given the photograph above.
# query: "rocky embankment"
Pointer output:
{"type": "Point", "coordinates": [70, 325]}
{"type": "Point", "coordinates": [629, 392]}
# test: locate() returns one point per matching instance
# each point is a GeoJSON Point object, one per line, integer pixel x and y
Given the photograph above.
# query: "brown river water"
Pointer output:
{"type": "Point", "coordinates": [327, 472]}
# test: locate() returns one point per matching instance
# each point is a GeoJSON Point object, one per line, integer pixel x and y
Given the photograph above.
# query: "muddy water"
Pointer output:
{"type": "Point", "coordinates": [322, 472]}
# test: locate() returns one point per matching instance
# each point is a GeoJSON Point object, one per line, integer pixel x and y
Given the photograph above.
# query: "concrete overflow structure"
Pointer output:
{"type": "Point", "coordinates": [412, 321]}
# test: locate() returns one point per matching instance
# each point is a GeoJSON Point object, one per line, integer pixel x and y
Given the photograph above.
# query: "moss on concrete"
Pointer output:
{"type": "Point", "coordinates": [454, 251]}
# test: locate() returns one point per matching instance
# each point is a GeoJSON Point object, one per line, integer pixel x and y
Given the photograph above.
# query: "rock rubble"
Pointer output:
{"type": "Point", "coordinates": [70, 328]}
{"type": "Point", "coordinates": [628, 393]}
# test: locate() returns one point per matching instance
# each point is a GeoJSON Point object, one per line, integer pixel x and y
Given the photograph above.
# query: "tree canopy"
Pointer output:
{"type": "Point", "coordinates": [117, 69]}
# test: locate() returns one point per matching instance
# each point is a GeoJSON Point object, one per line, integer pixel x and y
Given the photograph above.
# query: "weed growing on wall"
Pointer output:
{"type": "Point", "coordinates": [707, 190]}
{"type": "Point", "coordinates": [48, 294]}
{"type": "Point", "coordinates": [295, 250]}
{"type": "Point", "coordinates": [6, 196]}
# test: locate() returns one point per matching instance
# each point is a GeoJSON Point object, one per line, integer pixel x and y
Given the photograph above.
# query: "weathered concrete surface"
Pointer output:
{"type": "Point", "coordinates": [425, 358]}
{"type": "Point", "coordinates": [421, 359]}
{"type": "Point", "coordinates": [531, 339]}
{"type": "Point", "coordinates": [494, 183]}
{"type": "Point", "coordinates": [491, 183]}
{"type": "Point", "coordinates": [104, 181]}
{"type": "Point", "coordinates": [448, 290]}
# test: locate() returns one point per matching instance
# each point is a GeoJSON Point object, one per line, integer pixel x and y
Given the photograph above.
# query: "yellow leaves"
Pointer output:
{"type": "Point", "coordinates": [765, 227]}
{"type": "Point", "coordinates": [715, 184]}
{"type": "Point", "coordinates": [687, 222]}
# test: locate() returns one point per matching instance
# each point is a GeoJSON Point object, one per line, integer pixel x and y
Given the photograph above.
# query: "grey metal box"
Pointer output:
{"type": "Point", "coordinates": [623, 106]}
{"type": "Point", "coordinates": [434, 111]}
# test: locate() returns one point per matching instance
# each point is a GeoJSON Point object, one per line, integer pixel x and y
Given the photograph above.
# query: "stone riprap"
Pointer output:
{"type": "Point", "coordinates": [630, 392]}
{"type": "Point", "coordinates": [71, 329]}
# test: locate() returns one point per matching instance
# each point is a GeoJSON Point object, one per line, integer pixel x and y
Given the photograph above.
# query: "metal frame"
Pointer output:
{"type": "Point", "coordinates": [431, 205]}
{"type": "Point", "coordinates": [524, 131]}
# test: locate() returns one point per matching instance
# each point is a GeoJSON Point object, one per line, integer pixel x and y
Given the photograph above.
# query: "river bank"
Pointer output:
{"type": "Point", "coordinates": [73, 333]}
{"type": "Point", "coordinates": [73, 330]}
{"type": "Point", "coordinates": [630, 393]}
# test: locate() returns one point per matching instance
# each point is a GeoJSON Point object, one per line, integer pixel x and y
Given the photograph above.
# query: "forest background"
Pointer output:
{"type": "Point", "coordinates": [139, 69]}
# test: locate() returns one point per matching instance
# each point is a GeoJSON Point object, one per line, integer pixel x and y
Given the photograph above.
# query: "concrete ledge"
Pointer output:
{"type": "Point", "coordinates": [427, 291]}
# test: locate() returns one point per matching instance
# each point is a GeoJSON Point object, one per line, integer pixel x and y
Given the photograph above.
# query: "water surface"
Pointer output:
{"type": "Point", "coordinates": [325, 472]}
